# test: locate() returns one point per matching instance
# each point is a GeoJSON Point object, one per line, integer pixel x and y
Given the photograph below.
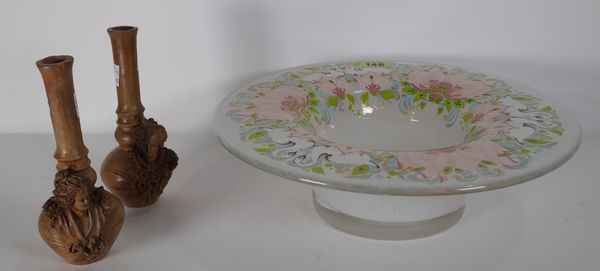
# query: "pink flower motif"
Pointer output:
{"type": "Point", "coordinates": [438, 90]}
{"type": "Point", "coordinates": [489, 115]}
{"type": "Point", "coordinates": [339, 91]}
{"type": "Point", "coordinates": [478, 117]}
{"type": "Point", "coordinates": [336, 86]}
{"type": "Point", "coordinates": [373, 82]}
{"type": "Point", "coordinates": [294, 105]}
{"type": "Point", "coordinates": [466, 157]}
{"type": "Point", "coordinates": [440, 83]}
{"type": "Point", "coordinates": [436, 96]}
{"type": "Point", "coordinates": [280, 103]}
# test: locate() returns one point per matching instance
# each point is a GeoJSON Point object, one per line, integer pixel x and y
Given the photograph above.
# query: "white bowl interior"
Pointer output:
{"type": "Point", "coordinates": [387, 128]}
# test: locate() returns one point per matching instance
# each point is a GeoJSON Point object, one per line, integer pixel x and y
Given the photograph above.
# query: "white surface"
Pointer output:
{"type": "Point", "coordinates": [191, 51]}
{"type": "Point", "coordinates": [417, 130]}
{"type": "Point", "coordinates": [221, 214]}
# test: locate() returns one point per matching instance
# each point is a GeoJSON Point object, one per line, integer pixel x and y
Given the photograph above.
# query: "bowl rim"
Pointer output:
{"type": "Point", "coordinates": [569, 144]}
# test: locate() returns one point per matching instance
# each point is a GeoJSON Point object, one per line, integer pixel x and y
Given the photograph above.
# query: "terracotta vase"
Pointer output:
{"type": "Point", "coordinates": [79, 222]}
{"type": "Point", "coordinates": [140, 167]}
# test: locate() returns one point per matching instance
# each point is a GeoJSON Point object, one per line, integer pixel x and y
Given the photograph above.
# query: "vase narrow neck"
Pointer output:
{"type": "Point", "coordinates": [124, 47]}
{"type": "Point", "coordinates": [130, 111]}
{"type": "Point", "coordinates": [57, 73]}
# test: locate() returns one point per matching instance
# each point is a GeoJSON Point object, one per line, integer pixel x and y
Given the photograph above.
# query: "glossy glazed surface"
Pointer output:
{"type": "Point", "coordinates": [397, 128]}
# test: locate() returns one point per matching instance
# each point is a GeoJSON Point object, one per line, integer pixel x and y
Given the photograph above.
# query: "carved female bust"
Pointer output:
{"type": "Point", "coordinates": [80, 222]}
{"type": "Point", "coordinates": [139, 176]}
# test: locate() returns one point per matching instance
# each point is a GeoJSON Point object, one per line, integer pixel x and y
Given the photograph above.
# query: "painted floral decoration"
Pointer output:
{"type": "Point", "coordinates": [504, 127]}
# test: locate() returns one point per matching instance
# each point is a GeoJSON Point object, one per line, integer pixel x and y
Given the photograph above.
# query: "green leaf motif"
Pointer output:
{"type": "Point", "coordinates": [318, 170]}
{"type": "Point", "coordinates": [360, 170]}
{"type": "Point", "coordinates": [410, 91]}
{"type": "Point", "coordinates": [317, 119]}
{"type": "Point", "coordinates": [418, 169]}
{"type": "Point", "coordinates": [537, 141]}
{"type": "Point", "coordinates": [487, 162]}
{"type": "Point", "coordinates": [262, 150]}
{"type": "Point", "coordinates": [305, 121]}
{"type": "Point", "coordinates": [364, 98]}
{"type": "Point", "coordinates": [332, 101]}
{"type": "Point", "coordinates": [448, 105]}
{"type": "Point", "coordinates": [419, 97]}
{"type": "Point", "coordinates": [523, 98]}
{"type": "Point", "coordinates": [557, 131]}
{"type": "Point", "coordinates": [257, 135]}
{"type": "Point", "coordinates": [547, 109]}
{"type": "Point", "coordinates": [294, 75]}
{"type": "Point", "coordinates": [350, 98]}
{"type": "Point", "coordinates": [524, 151]}
{"type": "Point", "coordinates": [459, 104]}
{"type": "Point", "coordinates": [440, 110]}
{"type": "Point", "coordinates": [467, 117]}
{"type": "Point", "coordinates": [387, 94]}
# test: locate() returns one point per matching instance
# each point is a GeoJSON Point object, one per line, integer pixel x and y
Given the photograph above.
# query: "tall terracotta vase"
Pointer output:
{"type": "Point", "coordinates": [140, 167]}
{"type": "Point", "coordinates": [79, 222]}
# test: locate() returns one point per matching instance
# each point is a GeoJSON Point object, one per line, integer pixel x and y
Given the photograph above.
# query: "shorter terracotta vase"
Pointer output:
{"type": "Point", "coordinates": [79, 222]}
{"type": "Point", "coordinates": [140, 167]}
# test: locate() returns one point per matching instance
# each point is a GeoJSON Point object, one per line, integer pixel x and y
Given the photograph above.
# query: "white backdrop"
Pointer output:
{"type": "Point", "coordinates": [219, 213]}
{"type": "Point", "coordinates": [191, 53]}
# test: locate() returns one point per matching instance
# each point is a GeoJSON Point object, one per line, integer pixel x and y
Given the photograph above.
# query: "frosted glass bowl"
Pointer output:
{"type": "Point", "coordinates": [392, 146]}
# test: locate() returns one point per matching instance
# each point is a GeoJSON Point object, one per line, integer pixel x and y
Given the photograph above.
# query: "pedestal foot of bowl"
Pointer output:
{"type": "Point", "coordinates": [387, 217]}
